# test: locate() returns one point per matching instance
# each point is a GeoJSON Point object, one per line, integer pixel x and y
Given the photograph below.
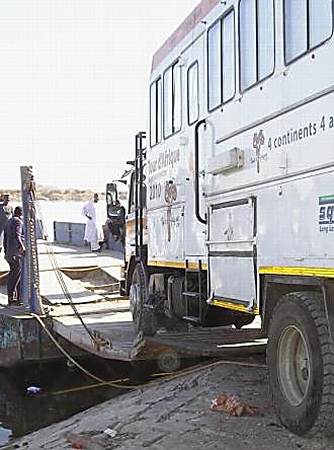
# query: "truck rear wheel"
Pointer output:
{"type": "Point", "coordinates": [300, 356]}
{"type": "Point", "coordinates": [143, 316]}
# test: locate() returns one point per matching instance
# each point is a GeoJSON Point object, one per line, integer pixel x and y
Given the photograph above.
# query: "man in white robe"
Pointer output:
{"type": "Point", "coordinates": [92, 234]}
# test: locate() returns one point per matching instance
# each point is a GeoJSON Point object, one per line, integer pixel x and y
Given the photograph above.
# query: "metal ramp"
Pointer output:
{"type": "Point", "coordinates": [109, 321]}
{"type": "Point", "coordinates": [112, 322]}
{"type": "Point", "coordinates": [212, 342]}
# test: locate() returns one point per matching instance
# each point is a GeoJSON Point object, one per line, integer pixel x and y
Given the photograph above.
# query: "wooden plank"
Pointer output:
{"type": "Point", "coordinates": [118, 304]}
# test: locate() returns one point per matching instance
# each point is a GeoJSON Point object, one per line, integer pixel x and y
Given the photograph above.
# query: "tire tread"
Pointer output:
{"type": "Point", "coordinates": [324, 423]}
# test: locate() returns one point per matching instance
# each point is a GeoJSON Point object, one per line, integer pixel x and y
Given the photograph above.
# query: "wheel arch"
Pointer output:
{"type": "Point", "coordinates": [272, 288]}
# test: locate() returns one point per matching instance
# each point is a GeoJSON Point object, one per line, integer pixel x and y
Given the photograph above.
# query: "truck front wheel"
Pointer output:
{"type": "Point", "coordinates": [142, 313]}
{"type": "Point", "coordinates": [300, 356]}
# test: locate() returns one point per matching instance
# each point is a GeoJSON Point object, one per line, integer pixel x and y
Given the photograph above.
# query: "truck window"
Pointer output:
{"type": "Point", "coordinates": [228, 56]}
{"type": "Point", "coordinates": [172, 100]}
{"type": "Point", "coordinates": [321, 21]}
{"type": "Point", "coordinates": [192, 88]}
{"type": "Point", "coordinates": [307, 24]}
{"type": "Point", "coordinates": [155, 112]}
{"type": "Point", "coordinates": [214, 66]}
{"type": "Point", "coordinates": [132, 195]}
{"type": "Point", "coordinates": [257, 49]}
{"type": "Point", "coordinates": [221, 61]}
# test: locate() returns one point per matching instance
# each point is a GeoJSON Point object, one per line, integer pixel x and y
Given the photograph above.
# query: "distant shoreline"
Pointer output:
{"type": "Point", "coordinates": [54, 194]}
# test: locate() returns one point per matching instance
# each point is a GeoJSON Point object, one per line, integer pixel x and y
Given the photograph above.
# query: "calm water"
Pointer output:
{"type": "Point", "coordinates": [21, 413]}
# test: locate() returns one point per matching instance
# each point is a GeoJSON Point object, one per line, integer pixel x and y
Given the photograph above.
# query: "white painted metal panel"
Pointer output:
{"type": "Point", "coordinates": [233, 278]}
{"type": "Point", "coordinates": [298, 228]}
{"type": "Point", "coordinates": [166, 234]}
{"type": "Point", "coordinates": [231, 250]}
{"type": "Point", "coordinates": [232, 227]}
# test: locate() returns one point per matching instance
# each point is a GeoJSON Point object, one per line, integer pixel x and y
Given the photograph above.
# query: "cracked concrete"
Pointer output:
{"type": "Point", "coordinates": [176, 415]}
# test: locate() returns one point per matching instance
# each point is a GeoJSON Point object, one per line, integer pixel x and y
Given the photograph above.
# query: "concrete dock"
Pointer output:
{"type": "Point", "coordinates": [176, 414]}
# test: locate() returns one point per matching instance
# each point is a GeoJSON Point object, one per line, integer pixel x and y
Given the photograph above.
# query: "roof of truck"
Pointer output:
{"type": "Point", "coordinates": [190, 22]}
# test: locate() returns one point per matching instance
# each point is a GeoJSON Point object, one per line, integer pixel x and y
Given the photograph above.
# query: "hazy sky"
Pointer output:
{"type": "Point", "coordinates": [74, 84]}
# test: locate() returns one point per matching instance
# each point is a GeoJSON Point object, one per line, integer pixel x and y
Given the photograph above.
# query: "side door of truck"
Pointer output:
{"type": "Point", "coordinates": [232, 254]}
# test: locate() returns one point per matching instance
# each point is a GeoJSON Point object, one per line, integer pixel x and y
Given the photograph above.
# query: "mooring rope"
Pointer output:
{"type": "Point", "coordinates": [73, 361]}
{"type": "Point", "coordinates": [173, 376]}
{"type": "Point", "coordinates": [59, 276]}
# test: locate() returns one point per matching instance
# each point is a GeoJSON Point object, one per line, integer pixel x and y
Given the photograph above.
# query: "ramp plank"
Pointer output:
{"type": "Point", "coordinates": [215, 341]}
{"type": "Point", "coordinates": [52, 292]}
{"type": "Point", "coordinates": [115, 327]}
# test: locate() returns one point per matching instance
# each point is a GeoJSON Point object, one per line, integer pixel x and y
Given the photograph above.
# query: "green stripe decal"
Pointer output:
{"type": "Point", "coordinates": [326, 199]}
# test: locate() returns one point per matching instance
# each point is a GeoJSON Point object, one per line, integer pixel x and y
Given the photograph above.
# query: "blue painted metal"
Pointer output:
{"type": "Point", "coordinates": [69, 233]}
{"type": "Point", "coordinates": [77, 233]}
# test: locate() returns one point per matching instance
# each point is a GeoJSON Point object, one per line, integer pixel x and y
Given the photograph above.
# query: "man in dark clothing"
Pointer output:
{"type": "Point", "coordinates": [6, 212]}
{"type": "Point", "coordinates": [118, 221]}
{"type": "Point", "coordinates": [14, 252]}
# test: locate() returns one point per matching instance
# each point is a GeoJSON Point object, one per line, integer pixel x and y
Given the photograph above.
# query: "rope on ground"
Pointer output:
{"type": "Point", "coordinates": [86, 387]}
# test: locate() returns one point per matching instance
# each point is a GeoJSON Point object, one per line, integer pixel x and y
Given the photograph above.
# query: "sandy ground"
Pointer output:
{"type": "Point", "coordinates": [176, 414]}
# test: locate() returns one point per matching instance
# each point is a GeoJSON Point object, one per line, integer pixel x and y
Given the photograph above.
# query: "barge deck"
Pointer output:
{"type": "Point", "coordinates": [91, 306]}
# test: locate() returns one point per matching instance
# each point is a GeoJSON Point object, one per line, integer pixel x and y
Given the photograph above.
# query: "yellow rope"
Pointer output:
{"type": "Point", "coordinates": [141, 386]}
{"type": "Point", "coordinates": [86, 387]}
{"type": "Point", "coordinates": [73, 361]}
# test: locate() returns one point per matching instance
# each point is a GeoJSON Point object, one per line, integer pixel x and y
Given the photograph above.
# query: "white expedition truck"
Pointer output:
{"type": "Point", "coordinates": [231, 209]}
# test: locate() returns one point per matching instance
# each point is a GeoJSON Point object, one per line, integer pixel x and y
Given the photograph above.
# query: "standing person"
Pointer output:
{"type": "Point", "coordinates": [14, 252]}
{"type": "Point", "coordinates": [6, 211]}
{"type": "Point", "coordinates": [120, 221]}
{"type": "Point", "coordinates": [92, 234]}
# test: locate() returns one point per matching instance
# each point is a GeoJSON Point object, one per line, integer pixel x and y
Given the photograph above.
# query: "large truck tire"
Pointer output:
{"type": "Point", "coordinates": [143, 317]}
{"type": "Point", "coordinates": [300, 357]}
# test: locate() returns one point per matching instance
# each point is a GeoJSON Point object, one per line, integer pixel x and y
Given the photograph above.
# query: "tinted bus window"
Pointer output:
{"type": "Point", "coordinates": [266, 37]}
{"type": "Point", "coordinates": [192, 87]}
{"type": "Point", "coordinates": [228, 56]}
{"type": "Point", "coordinates": [155, 112]}
{"type": "Point", "coordinates": [257, 41]}
{"type": "Point", "coordinates": [295, 28]}
{"type": "Point", "coordinates": [307, 24]}
{"type": "Point", "coordinates": [214, 66]}
{"type": "Point", "coordinates": [321, 21]}
{"type": "Point", "coordinates": [248, 70]}
{"type": "Point", "coordinates": [172, 100]}
{"type": "Point", "coordinates": [221, 61]}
